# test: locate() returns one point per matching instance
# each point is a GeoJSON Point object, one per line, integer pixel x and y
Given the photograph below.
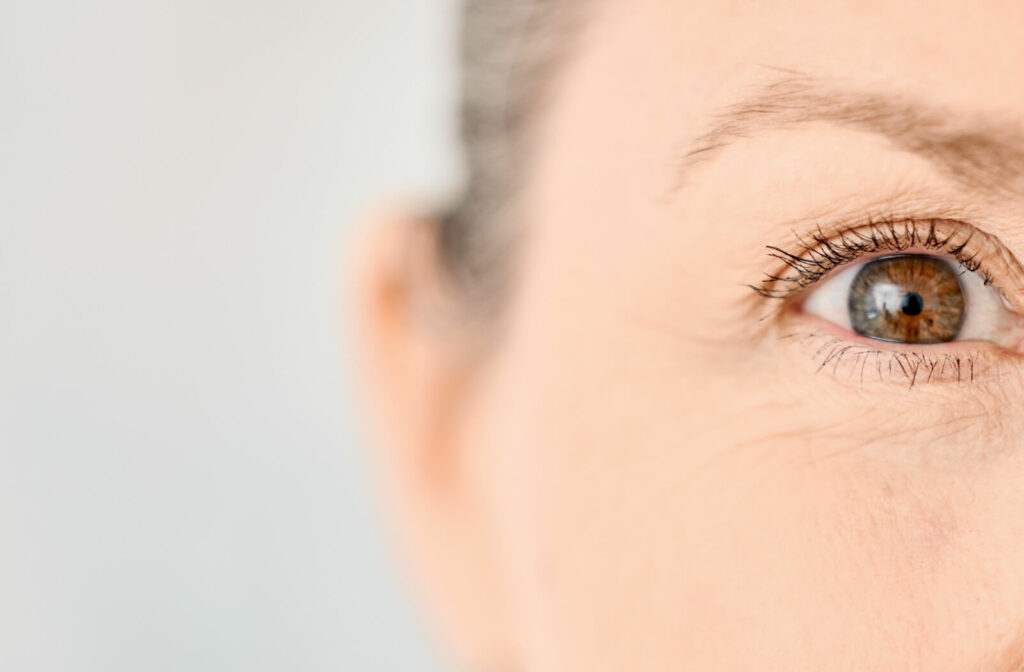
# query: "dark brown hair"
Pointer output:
{"type": "Point", "coordinates": [507, 50]}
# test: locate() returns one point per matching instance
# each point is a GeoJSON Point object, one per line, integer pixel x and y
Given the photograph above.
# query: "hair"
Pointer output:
{"type": "Point", "coordinates": [508, 49]}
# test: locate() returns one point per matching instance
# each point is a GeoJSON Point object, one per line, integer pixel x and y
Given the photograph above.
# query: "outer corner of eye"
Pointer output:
{"type": "Point", "coordinates": [915, 299]}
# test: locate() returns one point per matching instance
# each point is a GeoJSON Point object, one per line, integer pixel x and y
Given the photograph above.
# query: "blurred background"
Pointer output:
{"type": "Point", "coordinates": [183, 482]}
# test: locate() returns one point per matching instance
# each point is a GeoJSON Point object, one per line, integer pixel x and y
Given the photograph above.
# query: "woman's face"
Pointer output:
{"type": "Point", "coordinates": [664, 459]}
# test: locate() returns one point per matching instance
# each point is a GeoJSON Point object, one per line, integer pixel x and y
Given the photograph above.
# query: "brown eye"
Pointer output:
{"type": "Point", "coordinates": [907, 298]}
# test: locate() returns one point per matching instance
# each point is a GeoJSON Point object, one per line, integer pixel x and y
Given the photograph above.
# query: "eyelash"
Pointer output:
{"type": "Point", "coordinates": [911, 366]}
{"type": "Point", "coordinates": [822, 254]}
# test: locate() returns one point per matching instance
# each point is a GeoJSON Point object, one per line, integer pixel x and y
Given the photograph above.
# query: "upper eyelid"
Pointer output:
{"type": "Point", "coordinates": [819, 252]}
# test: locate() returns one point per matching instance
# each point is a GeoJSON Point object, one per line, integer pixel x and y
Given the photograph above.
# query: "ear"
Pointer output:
{"type": "Point", "coordinates": [416, 345]}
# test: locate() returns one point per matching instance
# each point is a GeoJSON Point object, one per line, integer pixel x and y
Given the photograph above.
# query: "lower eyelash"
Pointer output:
{"type": "Point", "coordinates": [822, 254]}
{"type": "Point", "coordinates": [861, 362]}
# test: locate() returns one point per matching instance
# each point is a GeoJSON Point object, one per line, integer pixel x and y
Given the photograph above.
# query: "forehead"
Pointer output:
{"type": "Point", "coordinates": [677, 62]}
{"type": "Point", "coordinates": [646, 80]}
{"type": "Point", "coordinates": [938, 44]}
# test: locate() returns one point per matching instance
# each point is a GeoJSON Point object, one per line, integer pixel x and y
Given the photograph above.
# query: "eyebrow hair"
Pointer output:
{"type": "Point", "coordinates": [980, 152]}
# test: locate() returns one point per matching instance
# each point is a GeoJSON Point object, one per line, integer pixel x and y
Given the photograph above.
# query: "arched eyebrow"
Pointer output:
{"type": "Point", "coordinates": [981, 152]}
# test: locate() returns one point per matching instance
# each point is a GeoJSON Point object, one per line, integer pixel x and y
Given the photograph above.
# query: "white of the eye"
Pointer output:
{"type": "Point", "coordinates": [986, 317]}
{"type": "Point", "coordinates": [831, 299]}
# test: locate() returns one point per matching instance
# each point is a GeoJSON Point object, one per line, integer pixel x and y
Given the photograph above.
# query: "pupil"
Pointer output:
{"type": "Point", "coordinates": [912, 304]}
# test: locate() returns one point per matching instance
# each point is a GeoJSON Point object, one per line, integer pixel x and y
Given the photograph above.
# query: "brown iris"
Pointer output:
{"type": "Point", "coordinates": [907, 298]}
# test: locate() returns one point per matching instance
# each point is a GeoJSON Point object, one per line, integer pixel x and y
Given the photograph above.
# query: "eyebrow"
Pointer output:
{"type": "Point", "coordinates": [979, 151]}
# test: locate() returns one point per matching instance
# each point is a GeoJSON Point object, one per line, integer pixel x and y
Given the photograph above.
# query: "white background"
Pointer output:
{"type": "Point", "coordinates": [182, 478]}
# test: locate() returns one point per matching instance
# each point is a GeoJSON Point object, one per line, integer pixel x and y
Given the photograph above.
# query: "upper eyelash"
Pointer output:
{"type": "Point", "coordinates": [822, 254]}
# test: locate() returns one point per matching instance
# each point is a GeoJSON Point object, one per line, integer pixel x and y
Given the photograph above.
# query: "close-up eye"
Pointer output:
{"type": "Point", "coordinates": [914, 299]}
{"type": "Point", "coordinates": [901, 297]}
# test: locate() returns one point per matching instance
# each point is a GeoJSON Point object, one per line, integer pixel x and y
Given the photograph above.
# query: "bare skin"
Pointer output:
{"type": "Point", "coordinates": [647, 465]}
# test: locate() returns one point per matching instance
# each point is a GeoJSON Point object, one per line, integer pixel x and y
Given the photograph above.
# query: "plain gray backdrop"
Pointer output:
{"type": "Point", "coordinates": [182, 474]}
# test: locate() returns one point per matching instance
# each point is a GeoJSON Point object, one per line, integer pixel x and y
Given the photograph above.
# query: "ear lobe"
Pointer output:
{"type": "Point", "coordinates": [418, 366]}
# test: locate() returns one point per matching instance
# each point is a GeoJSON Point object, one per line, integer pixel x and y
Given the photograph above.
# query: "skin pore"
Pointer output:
{"type": "Point", "coordinates": [642, 463]}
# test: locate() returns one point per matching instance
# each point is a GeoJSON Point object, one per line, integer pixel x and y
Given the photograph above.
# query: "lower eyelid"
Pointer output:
{"type": "Point", "coordinates": [826, 349]}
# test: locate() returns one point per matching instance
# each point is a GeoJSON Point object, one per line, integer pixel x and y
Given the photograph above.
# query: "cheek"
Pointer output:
{"type": "Point", "coordinates": [654, 508]}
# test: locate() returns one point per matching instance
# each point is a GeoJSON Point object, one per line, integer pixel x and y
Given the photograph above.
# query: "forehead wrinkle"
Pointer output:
{"type": "Point", "coordinates": [980, 152]}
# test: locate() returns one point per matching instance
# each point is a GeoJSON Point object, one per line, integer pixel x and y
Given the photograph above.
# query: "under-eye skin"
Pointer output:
{"type": "Point", "coordinates": [915, 299]}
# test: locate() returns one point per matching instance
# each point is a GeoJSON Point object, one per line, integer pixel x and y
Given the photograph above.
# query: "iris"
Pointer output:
{"type": "Point", "coordinates": [907, 298]}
